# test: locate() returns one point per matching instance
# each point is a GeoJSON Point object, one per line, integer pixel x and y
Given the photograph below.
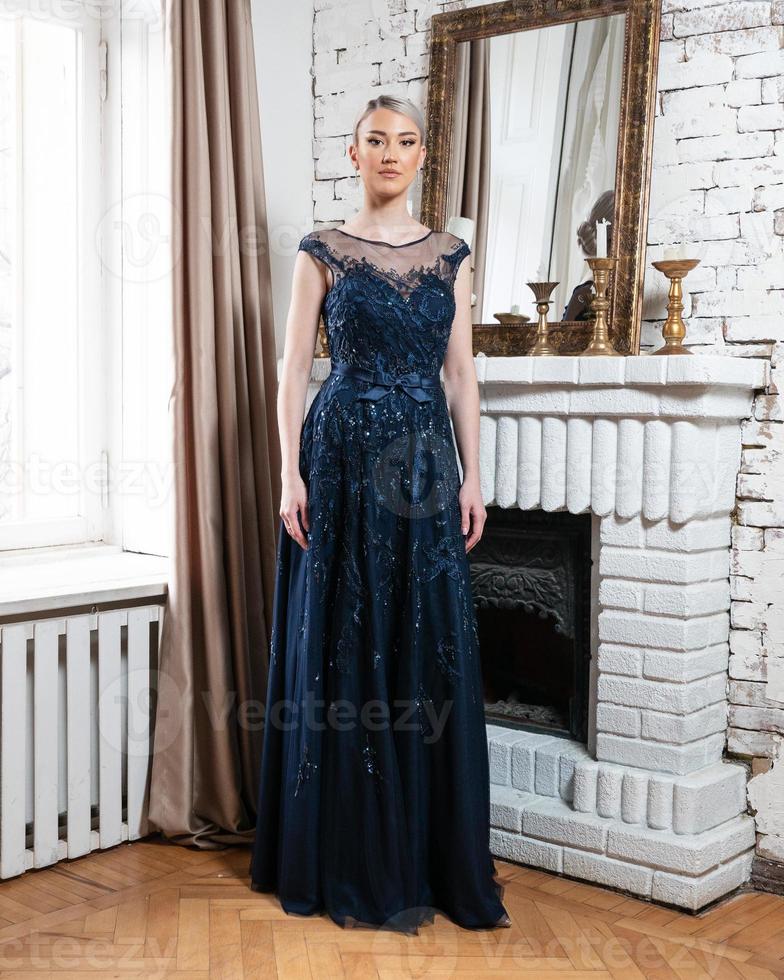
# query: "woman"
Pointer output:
{"type": "Point", "coordinates": [374, 796]}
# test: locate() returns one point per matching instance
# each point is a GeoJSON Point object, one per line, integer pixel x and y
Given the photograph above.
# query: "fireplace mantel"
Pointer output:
{"type": "Point", "coordinates": [640, 371]}
{"type": "Point", "coordinates": [651, 436]}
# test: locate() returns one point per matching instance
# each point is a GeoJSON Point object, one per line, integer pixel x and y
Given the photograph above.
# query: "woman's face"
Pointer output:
{"type": "Point", "coordinates": [388, 150]}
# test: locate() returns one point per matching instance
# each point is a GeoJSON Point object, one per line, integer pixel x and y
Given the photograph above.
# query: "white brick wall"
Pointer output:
{"type": "Point", "coordinates": [718, 185]}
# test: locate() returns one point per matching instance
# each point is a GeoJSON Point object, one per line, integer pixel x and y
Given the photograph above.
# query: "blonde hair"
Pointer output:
{"type": "Point", "coordinates": [404, 106]}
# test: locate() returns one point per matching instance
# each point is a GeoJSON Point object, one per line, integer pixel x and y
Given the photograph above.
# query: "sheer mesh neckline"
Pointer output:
{"type": "Point", "coordinates": [407, 266]}
{"type": "Point", "coordinates": [376, 241]}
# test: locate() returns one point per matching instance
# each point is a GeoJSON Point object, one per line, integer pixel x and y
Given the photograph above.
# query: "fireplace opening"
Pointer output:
{"type": "Point", "coordinates": [531, 581]}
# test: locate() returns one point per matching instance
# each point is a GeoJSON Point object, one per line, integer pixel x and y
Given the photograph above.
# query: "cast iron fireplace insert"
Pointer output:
{"type": "Point", "coordinates": [531, 582]}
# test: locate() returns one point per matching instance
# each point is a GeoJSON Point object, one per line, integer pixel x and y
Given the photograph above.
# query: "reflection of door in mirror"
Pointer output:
{"type": "Point", "coordinates": [534, 142]}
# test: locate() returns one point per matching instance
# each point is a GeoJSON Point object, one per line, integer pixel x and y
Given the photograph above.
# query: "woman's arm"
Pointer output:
{"type": "Point", "coordinates": [462, 394]}
{"type": "Point", "coordinates": [307, 292]}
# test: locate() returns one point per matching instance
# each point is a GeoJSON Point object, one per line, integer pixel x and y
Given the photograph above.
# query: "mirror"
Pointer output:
{"type": "Point", "coordinates": [534, 142]}
{"type": "Point", "coordinates": [533, 109]}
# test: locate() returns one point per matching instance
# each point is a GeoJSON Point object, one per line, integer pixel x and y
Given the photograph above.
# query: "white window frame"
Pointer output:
{"type": "Point", "coordinates": [142, 485]}
{"type": "Point", "coordinates": [91, 434]}
{"type": "Point", "coordinates": [123, 323]}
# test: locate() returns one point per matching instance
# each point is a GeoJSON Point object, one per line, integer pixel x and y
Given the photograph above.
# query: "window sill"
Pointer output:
{"type": "Point", "coordinates": [34, 581]}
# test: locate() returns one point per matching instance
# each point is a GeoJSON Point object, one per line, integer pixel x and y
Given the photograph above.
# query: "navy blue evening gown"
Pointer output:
{"type": "Point", "coordinates": [374, 796]}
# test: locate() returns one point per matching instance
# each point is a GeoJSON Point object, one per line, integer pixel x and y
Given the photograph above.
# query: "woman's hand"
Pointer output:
{"type": "Point", "coordinates": [293, 502]}
{"type": "Point", "coordinates": [472, 511]}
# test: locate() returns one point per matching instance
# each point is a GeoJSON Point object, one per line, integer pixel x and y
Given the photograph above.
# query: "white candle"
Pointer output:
{"type": "Point", "coordinates": [671, 252]}
{"type": "Point", "coordinates": [601, 238]}
{"type": "Point", "coordinates": [515, 308]}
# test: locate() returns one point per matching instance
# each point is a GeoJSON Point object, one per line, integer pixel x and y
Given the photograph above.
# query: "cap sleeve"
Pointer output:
{"type": "Point", "coordinates": [318, 248]}
{"type": "Point", "coordinates": [459, 251]}
{"type": "Point", "coordinates": [313, 244]}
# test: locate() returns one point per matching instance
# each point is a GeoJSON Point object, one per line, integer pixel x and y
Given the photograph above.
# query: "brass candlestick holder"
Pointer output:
{"type": "Point", "coordinates": [322, 344]}
{"type": "Point", "coordinates": [542, 291]}
{"type": "Point", "coordinates": [674, 330]}
{"type": "Point", "coordinates": [600, 304]}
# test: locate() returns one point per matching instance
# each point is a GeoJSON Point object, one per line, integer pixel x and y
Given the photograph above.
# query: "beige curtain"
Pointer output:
{"type": "Point", "coordinates": [469, 176]}
{"type": "Point", "coordinates": [206, 751]}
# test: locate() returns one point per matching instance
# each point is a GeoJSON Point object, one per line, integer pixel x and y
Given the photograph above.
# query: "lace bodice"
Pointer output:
{"type": "Point", "coordinates": [388, 306]}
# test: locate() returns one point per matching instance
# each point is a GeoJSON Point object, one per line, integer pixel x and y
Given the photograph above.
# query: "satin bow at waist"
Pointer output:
{"type": "Point", "coordinates": [383, 382]}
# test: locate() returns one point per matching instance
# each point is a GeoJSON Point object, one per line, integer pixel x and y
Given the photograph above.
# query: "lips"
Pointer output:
{"type": "Point", "coordinates": [389, 173]}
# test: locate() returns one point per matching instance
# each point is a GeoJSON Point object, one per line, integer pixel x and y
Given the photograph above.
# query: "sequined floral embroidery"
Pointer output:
{"type": "Point", "coordinates": [342, 658]}
{"type": "Point", "coordinates": [385, 561]}
{"type": "Point", "coordinates": [425, 711]}
{"type": "Point", "coordinates": [444, 557]}
{"type": "Point", "coordinates": [446, 656]}
{"type": "Point", "coordinates": [305, 769]}
{"type": "Point", "coordinates": [370, 760]}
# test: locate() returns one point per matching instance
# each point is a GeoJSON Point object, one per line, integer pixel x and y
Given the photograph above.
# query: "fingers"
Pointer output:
{"type": "Point", "coordinates": [472, 521]}
{"type": "Point", "coordinates": [465, 518]}
{"type": "Point", "coordinates": [477, 527]}
{"type": "Point", "coordinates": [292, 526]}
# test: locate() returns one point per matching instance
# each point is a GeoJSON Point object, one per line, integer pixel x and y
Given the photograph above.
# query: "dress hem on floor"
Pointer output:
{"type": "Point", "coordinates": [406, 925]}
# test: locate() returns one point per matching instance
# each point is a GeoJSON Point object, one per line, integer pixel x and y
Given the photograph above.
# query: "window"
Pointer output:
{"type": "Point", "coordinates": [85, 358]}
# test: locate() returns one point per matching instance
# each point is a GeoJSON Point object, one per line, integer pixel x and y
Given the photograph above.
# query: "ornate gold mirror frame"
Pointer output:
{"type": "Point", "coordinates": [632, 183]}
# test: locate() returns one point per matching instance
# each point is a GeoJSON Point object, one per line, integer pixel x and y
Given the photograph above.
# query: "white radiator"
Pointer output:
{"type": "Point", "coordinates": [76, 708]}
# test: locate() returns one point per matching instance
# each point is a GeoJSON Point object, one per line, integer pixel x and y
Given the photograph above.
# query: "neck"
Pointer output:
{"type": "Point", "coordinates": [387, 216]}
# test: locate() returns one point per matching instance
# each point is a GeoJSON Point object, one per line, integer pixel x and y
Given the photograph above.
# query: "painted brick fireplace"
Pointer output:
{"type": "Point", "coordinates": [650, 447]}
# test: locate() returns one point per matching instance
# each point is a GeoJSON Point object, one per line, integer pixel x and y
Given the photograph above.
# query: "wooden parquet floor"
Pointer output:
{"type": "Point", "coordinates": [152, 909]}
